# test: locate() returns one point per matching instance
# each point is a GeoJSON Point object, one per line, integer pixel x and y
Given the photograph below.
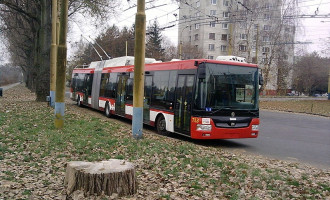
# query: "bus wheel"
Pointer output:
{"type": "Point", "coordinates": [107, 110]}
{"type": "Point", "coordinates": [161, 125]}
{"type": "Point", "coordinates": [78, 101]}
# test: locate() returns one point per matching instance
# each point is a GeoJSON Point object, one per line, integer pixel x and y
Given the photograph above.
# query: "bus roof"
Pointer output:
{"type": "Point", "coordinates": [159, 66]}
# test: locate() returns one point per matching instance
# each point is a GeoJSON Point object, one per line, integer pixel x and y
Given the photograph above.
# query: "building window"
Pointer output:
{"type": "Point", "coordinates": [265, 38]}
{"type": "Point", "coordinates": [268, 6]}
{"type": "Point", "coordinates": [242, 48]}
{"type": "Point", "coordinates": [264, 60]}
{"type": "Point", "coordinates": [189, 28]}
{"type": "Point", "coordinates": [224, 26]}
{"type": "Point", "coordinates": [243, 36]}
{"type": "Point", "coordinates": [211, 47]}
{"type": "Point", "coordinates": [198, 3]}
{"type": "Point", "coordinates": [224, 37]}
{"type": "Point", "coordinates": [213, 12]}
{"type": "Point", "coordinates": [196, 46]}
{"type": "Point", "coordinates": [256, 26]}
{"type": "Point", "coordinates": [212, 36]}
{"type": "Point", "coordinates": [253, 48]}
{"type": "Point", "coordinates": [266, 27]}
{"type": "Point", "coordinates": [196, 36]}
{"type": "Point", "coordinates": [212, 24]}
{"type": "Point", "coordinates": [189, 38]}
{"type": "Point", "coordinates": [265, 49]}
{"type": "Point", "coordinates": [214, 2]}
{"type": "Point", "coordinates": [196, 26]}
{"type": "Point", "coordinates": [266, 16]}
{"type": "Point", "coordinates": [254, 37]}
{"type": "Point", "coordinates": [243, 25]}
{"type": "Point", "coordinates": [223, 48]}
{"type": "Point", "coordinates": [225, 14]}
{"type": "Point", "coordinates": [225, 3]}
{"type": "Point", "coordinates": [210, 57]}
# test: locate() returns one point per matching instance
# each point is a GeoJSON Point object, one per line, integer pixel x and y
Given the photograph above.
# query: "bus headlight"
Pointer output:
{"type": "Point", "coordinates": [202, 127]}
{"type": "Point", "coordinates": [255, 127]}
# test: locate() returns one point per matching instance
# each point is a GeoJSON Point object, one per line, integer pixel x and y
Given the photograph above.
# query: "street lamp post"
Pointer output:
{"type": "Point", "coordinates": [180, 45]}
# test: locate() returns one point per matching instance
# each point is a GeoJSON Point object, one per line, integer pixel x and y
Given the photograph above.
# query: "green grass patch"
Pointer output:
{"type": "Point", "coordinates": [31, 135]}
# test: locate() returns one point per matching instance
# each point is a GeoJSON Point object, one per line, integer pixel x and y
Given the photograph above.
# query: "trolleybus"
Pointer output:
{"type": "Point", "coordinates": [198, 98]}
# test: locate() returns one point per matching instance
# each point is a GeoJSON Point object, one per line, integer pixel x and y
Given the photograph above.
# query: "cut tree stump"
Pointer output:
{"type": "Point", "coordinates": [105, 177]}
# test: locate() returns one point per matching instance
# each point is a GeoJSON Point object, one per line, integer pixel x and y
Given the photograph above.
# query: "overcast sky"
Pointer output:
{"type": "Point", "coordinates": [167, 12]}
{"type": "Point", "coordinates": [314, 30]}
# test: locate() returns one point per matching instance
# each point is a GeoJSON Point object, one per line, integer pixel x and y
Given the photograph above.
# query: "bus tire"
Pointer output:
{"type": "Point", "coordinates": [161, 125]}
{"type": "Point", "coordinates": [78, 101]}
{"type": "Point", "coordinates": [107, 110]}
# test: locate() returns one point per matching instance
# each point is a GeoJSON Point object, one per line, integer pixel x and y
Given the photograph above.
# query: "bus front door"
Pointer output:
{"type": "Point", "coordinates": [121, 95]}
{"type": "Point", "coordinates": [182, 107]}
{"type": "Point", "coordinates": [147, 99]}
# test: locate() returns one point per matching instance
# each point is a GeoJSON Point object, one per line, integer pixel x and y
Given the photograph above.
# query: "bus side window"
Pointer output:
{"type": "Point", "coordinates": [171, 86]}
{"type": "Point", "coordinates": [104, 81]}
{"type": "Point", "coordinates": [160, 88]}
{"type": "Point", "coordinates": [80, 82]}
{"type": "Point", "coordinates": [129, 89]}
{"type": "Point", "coordinates": [112, 85]}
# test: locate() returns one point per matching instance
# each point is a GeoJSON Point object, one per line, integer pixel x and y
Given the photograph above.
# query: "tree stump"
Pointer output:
{"type": "Point", "coordinates": [105, 177]}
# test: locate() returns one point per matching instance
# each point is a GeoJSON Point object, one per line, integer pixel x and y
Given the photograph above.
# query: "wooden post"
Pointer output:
{"type": "Point", "coordinates": [108, 177]}
{"type": "Point", "coordinates": [138, 86]}
{"type": "Point", "coordinates": [53, 54]}
{"type": "Point", "coordinates": [61, 67]}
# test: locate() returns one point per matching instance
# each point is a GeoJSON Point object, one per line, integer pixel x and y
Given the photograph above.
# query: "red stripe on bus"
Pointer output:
{"type": "Point", "coordinates": [162, 111]}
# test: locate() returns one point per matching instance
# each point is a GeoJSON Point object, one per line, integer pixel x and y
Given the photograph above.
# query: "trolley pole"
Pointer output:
{"type": "Point", "coordinates": [138, 87]}
{"type": "Point", "coordinates": [61, 65]}
{"type": "Point", "coordinates": [53, 54]}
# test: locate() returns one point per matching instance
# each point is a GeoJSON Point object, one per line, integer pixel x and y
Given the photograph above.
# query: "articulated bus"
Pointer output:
{"type": "Point", "coordinates": [199, 98]}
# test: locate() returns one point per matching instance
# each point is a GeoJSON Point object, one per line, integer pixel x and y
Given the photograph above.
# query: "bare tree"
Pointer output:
{"type": "Point", "coordinates": [27, 27]}
{"type": "Point", "coordinates": [310, 74]}
{"type": "Point", "coordinates": [261, 32]}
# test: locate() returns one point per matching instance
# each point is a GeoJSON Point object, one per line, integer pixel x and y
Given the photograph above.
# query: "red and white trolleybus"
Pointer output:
{"type": "Point", "coordinates": [199, 98]}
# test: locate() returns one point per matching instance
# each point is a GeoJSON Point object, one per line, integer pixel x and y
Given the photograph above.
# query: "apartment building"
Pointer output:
{"type": "Point", "coordinates": [254, 29]}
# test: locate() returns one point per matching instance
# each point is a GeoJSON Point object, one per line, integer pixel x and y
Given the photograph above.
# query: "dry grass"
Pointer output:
{"type": "Point", "coordinates": [33, 155]}
{"type": "Point", "coordinates": [315, 107]}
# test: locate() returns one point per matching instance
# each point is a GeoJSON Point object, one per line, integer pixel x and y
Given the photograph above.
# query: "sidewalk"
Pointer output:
{"type": "Point", "coordinates": [6, 87]}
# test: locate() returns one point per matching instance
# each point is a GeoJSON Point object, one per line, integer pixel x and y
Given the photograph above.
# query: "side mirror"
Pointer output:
{"type": "Point", "coordinates": [261, 79]}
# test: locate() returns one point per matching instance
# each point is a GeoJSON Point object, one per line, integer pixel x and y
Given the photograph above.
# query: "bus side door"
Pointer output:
{"type": "Point", "coordinates": [121, 94]}
{"type": "Point", "coordinates": [147, 99]}
{"type": "Point", "coordinates": [183, 102]}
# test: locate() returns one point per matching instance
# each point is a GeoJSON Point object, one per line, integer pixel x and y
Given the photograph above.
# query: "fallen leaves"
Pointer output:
{"type": "Point", "coordinates": [34, 155]}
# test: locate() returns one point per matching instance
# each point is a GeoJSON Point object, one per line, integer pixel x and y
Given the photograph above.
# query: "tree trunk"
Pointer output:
{"type": "Point", "coordinates": [108, 177]}
{"type": "Point", "coordinates": [42, 83]}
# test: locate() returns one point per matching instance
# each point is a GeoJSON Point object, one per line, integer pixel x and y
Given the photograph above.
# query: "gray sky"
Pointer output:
{"type": "Point", "coordinates": [167, 12]}
{"type": "Point", "coordinates": [311, 30]}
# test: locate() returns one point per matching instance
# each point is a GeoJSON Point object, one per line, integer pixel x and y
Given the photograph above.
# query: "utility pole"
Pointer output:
{"type": "Point", "coordinates": [257, 43]}
{"type": "Point", "coordinates": [230, 50]}
{"type": "Point", "coordinates": [329, 84]}
{"type": "Point", "coordinates": [53, 52]}
{"type": "Point", "coordinates": [61, 66]}
{"type": "Point", "coordinates": [138, 87]}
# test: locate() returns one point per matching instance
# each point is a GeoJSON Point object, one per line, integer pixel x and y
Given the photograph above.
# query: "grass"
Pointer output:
{"type": "Point", "coordinates": [316, 107]}
{"type": "Point", "coordinates": [186, 170]}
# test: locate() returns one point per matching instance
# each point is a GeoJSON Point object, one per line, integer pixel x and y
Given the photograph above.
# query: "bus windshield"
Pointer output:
{"type": "Point", "coordinates": [227, 87]}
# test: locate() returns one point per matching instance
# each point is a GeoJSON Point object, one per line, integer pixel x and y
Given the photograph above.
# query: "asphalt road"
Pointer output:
{"type": "Point", "coordinates": [287, 136]}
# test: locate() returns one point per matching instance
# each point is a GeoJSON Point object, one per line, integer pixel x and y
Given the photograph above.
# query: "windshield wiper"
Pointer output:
{"type": "Point", "coordinates": [221, 109]}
